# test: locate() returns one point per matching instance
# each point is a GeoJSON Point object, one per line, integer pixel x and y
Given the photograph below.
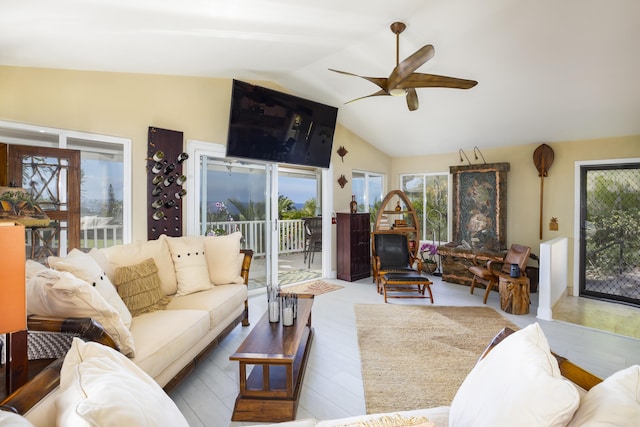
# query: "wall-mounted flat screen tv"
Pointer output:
{"type": "Point", "coordinates": [272, 126]}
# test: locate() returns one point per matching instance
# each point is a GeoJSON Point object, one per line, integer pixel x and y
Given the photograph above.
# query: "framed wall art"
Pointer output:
{"type": "Point", "coordinates": [480, 205]}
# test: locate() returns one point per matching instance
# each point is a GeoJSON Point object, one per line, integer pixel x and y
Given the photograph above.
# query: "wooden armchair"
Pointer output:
{"type": "Point", "coordinates": [391, 254]}
{"type": "Point", "coordinates": [489, 275]}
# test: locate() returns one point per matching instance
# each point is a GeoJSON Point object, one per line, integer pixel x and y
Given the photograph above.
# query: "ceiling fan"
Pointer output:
{"type": "Point", "coordinates": [403, 81]}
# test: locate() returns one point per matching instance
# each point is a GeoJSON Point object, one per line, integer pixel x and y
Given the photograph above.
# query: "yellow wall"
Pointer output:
{"type": "Point", "coordinates": [523, 183]}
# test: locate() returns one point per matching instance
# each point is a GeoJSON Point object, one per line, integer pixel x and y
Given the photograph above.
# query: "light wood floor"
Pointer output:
{"type": "Point", "coordinates": [332, 386]}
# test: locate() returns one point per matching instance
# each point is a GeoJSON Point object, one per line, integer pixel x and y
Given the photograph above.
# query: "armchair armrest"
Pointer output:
{"type": "Point", "coordinates": [569, 370]}
{"type": "Point", "coordinates": [246, 264]}
{"type": "Point", "coordinates": [84, 327]}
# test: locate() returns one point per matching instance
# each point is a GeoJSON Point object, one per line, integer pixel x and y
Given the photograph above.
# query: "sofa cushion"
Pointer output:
{"type": "Point", "coordinates": [100, 387]}
{"type": "Point", "coordinates": [224, 260]}
{"type": "Point", "coordinates": [86, 268]}
{"type": "Point", "coordinates": [139, 287]}
{"type": "Point", "coordinates": [613, 402]}
{"type": "Point", "coordinates": [190, 264]}
{"type": "Point", "coordinates": [219, 302]}
{"type": "Point", "coordinates": [134, 253]}
{"type": "Point", "coordinates": [518, 380]}
{"type": "Point", "coordinates": [163, 336]}
{"type": "Point", "coordinates": [61, 294]}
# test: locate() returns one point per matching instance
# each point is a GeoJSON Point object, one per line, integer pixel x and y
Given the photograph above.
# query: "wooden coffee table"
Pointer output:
{"type": "Point", "coordinates": [278, 355]}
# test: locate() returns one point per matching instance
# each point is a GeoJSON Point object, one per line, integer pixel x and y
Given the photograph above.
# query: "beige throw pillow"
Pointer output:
{"type": "Point", "coordinates": [188, 254]}
{"type": "Point", "coordinates": [139, 287]}
{"type": "Point", "coordinates": [224, 260]}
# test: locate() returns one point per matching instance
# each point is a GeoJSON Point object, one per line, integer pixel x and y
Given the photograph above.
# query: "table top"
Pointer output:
{"type": "Point", "coordinates": [272, 342]}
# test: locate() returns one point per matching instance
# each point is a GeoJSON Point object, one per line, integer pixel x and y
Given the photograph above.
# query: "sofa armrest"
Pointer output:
{"type": "Point", "coordinates": [27, 396]}
{"type": "Point", "coordinates": [246, 264]}
{"type": "Point", "coordinates": [569, 370]}
{"type": "Point", "coordinates": [85, 327]}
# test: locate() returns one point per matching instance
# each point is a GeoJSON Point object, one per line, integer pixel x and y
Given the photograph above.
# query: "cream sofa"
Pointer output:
{"type": "Point", "coordinates": [203, 285]}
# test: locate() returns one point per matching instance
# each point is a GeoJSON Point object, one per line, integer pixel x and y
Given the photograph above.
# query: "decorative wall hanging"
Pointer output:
{"type": "Point", "coordinates": [342, 152]}
{"type": "Point", "coordinates": [342, 181]}
{"type": "Point", "coordinates": [543, 159]}
{"type": "Point", "coordinates": [480, 205]}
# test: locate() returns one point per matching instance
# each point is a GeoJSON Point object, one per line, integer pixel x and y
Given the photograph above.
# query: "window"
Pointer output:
{"type": "Point", "coordinates": [368, 189]}
{"type": "Point", "coordinates": [105, 181]}
{"type": "Point", "coordinates": [429, 195]}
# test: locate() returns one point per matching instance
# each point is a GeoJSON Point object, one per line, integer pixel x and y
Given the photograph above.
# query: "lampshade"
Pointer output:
{"type": "Point", "coordinates": [13, 301]}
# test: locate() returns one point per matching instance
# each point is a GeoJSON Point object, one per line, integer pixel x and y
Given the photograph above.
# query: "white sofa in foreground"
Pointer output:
{"type": "Point", "coordinates": [162, 303]}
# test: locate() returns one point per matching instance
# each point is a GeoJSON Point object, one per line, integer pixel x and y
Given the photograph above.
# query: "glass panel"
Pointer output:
{"type": "Point", "coordinates": [429, 195]}
{"type": "Point", "coordinates": [367, 187]}
{"type": "Point", "coordinates": [101, 193]}
{"type": "Point", "coordinates": [611, 236]}
{"type": "Point", "coordinates": [42, 176]}
{"type": "Point", "coordinates": [233, 198]}
{"type": "Point", "coordinates": [299, 237]}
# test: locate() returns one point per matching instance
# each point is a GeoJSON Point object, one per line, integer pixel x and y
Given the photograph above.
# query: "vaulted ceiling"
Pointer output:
{"type": "Point", "coordinates": [548, 70]}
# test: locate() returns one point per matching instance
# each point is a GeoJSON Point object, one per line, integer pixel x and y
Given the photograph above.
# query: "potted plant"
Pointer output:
{"type": "Point", "coordinates": [428, 253]}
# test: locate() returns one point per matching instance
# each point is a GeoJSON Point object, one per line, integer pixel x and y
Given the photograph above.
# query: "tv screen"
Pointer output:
{"type": "Point", "coordinates": [272, 126]}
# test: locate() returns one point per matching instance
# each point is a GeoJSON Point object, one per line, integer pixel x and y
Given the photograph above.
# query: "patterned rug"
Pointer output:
{"type": "Point", "coordinates": [316, 287]}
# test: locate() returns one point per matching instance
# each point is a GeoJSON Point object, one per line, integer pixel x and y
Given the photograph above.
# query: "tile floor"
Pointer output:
{"type": "Point", "coordinates": [332, 386]}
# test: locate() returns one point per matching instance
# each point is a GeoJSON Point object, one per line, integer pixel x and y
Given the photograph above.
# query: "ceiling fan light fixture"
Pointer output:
{"type": "Point", "coordinates": [398, 92]}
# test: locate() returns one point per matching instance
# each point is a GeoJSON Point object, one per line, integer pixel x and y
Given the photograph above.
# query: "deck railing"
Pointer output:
{"type": "Point", "coordinates": [290, 235]}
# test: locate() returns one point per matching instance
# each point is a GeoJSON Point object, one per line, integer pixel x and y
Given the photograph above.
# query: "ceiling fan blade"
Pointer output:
{"type": "Point", "coordinates": [381, 82]}
{"type": "Point", "coordinates": [378, 93]}
{"type": "Point", "coordinates": [412, 99]}
{"type": "Point", "coordinates": [431, 80]}
{"type": "Point", "coordinates": [409, 65]}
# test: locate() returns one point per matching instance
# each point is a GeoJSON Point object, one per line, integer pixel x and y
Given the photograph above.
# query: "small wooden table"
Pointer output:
{"type": "Point", "coordinates": [279, 356]}
{"type": "Point", "coordinates": [514, 294]}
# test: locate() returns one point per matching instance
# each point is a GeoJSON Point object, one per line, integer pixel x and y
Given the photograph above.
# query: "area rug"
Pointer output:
{"type": "Point", "coordinates": [316, 287]}
{"type": "Point", "coordinates": [297, 276]}
{"type": "Point", "coordinates": [417, 356]}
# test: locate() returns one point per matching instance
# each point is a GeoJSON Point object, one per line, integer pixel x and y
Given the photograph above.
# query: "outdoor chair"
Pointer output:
{"type": "Point", "coordinates": [490, 274]}
{"type": "Point", "coordinates": [312, 238]}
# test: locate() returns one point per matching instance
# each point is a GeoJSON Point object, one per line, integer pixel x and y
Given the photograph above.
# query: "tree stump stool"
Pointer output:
{"type": "Point", "coordinates": [514, 294]}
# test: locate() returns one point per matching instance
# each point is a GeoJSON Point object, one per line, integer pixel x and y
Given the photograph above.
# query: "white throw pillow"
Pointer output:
{"type": "Point", "coordinates": [9, 419]}
{"type": "Point", "coordinates": [86, 268]}
{"type": "Point", "coordinates": [188, 254]}
{"type": "Point", "coordinates": [61, 294]}
{"type": "Point", "coordinates": [101, 387]}
{"type": "Point", "coordinates": [517, 383]}
{"type": "Point", "coordinates": [613, 402]}
{"type": "Point", "coordinates": [224, 260]}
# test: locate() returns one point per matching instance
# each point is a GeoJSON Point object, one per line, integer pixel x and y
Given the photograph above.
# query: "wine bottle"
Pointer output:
{"type": "Point", "coordinates": [157, 167]}
{"type": "Point", "coordinates": [158, 156]}
{"type": "Point", "coordinates": [180, 194]}
{"type": "Point", "coordinates": [170, 167]}
{"type": "Point", "coordinates": [169, 204]}
{"type": "Point", "coordinates": [157, 215]}
{"type": "Point", "coordinates": [181, 180]}
{"type": "Point", "coordinates": [157, 203]}
{"type": "Point", "coordinates": [157, 191]}
{"type": "Point", "coordinates": [157, 179]}
{"type": "Point", "coordinates": [169, 180]}
{"type": "Point", "coordinates": [182, 157]}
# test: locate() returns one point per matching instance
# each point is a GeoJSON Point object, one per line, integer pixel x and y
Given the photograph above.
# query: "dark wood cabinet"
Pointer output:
{"type": "Point", "coordinates": [354, 246]}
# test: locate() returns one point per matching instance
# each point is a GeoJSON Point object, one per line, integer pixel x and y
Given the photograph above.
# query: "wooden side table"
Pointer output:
{"type": "Point", "coordinates": [514, 294]}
